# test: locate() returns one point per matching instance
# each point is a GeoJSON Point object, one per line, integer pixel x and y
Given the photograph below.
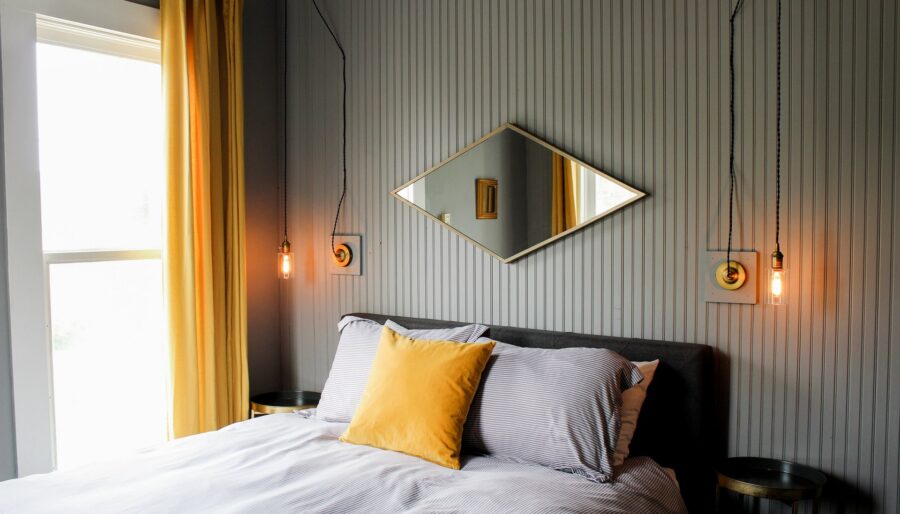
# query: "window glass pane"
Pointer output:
{"type": "Point", "coordinates": [110, 364]}
{"type": "Point", "coordinates": [101, 159]}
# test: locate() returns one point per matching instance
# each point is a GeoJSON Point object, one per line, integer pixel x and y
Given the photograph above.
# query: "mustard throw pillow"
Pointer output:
{"type": "Point", "coordinates": [418, 396]}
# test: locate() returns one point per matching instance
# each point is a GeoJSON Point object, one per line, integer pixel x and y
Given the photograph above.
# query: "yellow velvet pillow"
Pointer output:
{"type": "Point", "coordinates": [418, 396]}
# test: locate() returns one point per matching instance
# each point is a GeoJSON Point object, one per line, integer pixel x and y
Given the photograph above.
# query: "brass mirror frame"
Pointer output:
{"type": "Point", "coordinates": [509, 126]}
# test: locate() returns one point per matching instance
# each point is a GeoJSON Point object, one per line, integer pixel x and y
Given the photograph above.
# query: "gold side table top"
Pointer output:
{"type": "Point", "coordinates": [770, 478]}
{"type": "Point", "coordinates": [282, 401]}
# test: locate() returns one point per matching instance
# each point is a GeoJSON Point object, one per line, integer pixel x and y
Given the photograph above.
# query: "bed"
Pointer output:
{"type": "Point", "coordinates": [294, 463]}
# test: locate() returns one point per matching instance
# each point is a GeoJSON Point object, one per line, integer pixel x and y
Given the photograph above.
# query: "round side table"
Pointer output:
{"type": "Point", "coordinates": [773, 479]}
{"type": "Point", "coordinates": [282, 401]}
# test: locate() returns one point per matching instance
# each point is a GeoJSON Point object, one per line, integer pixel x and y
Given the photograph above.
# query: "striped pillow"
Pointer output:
{"type": "Point", "coordinates": [355, 354]}
{"type": "Point", "coordinates": [557, 408]}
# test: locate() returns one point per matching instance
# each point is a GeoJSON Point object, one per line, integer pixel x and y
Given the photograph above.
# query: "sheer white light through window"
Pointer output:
{"type": "Point", "coordinates": [101, 168]}
{"type": "Point", "coordinates": [101, 158]}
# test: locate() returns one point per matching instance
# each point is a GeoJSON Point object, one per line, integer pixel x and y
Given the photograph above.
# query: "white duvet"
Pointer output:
{"type": "Point", "coordinates": [287, 463]}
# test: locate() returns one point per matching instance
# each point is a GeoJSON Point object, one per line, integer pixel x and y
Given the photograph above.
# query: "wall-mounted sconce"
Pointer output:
{"type": "Point", "coordinates": [731, 275]}
{"type": "Point", "coordinates": [738, 286]}
{"type": "Point", "coordinates": [348, 254]}
{"type": "Point", "coordinates": [340, 253]}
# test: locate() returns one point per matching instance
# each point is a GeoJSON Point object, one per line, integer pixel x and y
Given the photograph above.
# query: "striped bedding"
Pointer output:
{"type": "Point", "coordinates": [288, 463]}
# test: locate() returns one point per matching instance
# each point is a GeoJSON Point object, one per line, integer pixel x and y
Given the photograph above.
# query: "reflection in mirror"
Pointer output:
{"type": "Point", "coordinates": [511, 193]}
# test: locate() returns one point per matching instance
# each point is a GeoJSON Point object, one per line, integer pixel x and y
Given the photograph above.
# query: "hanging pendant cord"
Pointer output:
{"type": "Point", "coordinates": [731, 141]}
{"type": "Point", "coordinates": [344, 116]}
{"type": "Point", "coordinates": [284, 118]}
{"type": "Point", "coordinates": [778, 136]}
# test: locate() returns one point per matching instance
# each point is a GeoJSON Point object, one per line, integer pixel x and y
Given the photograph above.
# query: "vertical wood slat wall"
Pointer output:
{"type": "Point", "coordinates": [639, 89]}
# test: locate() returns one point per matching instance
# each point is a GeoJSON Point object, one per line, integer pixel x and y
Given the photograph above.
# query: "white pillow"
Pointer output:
{"type": "Point", "coordinates": [555, 407]}
{"type": "Point", "coordinates": [632, 400]}
{"type": "Point", "coordinates": [355, 354]}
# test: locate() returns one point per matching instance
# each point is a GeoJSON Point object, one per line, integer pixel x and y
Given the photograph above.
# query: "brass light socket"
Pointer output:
{"type": "Point", "coordinates": [731, 278]}
{"type": "Point", "coordinates": [777, 260]}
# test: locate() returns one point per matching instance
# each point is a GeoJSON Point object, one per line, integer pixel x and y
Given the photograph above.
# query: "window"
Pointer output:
{"type": "Point", "coordinates": [100, 135]}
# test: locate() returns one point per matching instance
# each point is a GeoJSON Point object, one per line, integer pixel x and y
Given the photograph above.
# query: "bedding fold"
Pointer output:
{"type": "Point", "coordinates": [295, 463]}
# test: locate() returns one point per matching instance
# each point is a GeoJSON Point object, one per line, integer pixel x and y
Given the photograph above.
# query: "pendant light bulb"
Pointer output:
{"type": "Point", "coordinates": [285, 255]}
{"type": "Point", "coordinates": [777, 280]}
{"type": "Point", "coordinates": [285, 261]}
{"type": "Point", "coordinates": [777, 273]}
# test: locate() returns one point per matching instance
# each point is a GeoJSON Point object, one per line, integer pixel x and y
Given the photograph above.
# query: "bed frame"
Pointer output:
{"type": "Point", "coordinates": [676, 422]}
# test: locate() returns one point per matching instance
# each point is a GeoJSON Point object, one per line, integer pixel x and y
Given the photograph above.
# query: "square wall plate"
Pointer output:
{"type": "Point", "coordinates": [355, 244]}
{"type": "Point", "coordinates": [747, 293]}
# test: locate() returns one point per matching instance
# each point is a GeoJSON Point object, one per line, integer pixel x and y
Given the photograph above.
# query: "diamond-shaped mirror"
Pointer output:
{"type": "Point", "coordinates": [511, 193]}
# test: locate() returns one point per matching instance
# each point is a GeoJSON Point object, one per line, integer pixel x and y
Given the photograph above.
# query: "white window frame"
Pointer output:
{"type": "Point", "coordinates": [27, 266]}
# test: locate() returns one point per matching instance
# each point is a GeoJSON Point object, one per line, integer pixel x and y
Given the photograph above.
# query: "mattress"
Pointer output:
{"type": "Point", "coordinates": [294, 463]}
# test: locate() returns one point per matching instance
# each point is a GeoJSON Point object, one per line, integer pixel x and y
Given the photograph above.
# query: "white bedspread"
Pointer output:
{"type": "Point", "coordinates": [286, 463]}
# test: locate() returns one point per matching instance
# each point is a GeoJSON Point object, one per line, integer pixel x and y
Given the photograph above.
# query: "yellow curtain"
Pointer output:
{"type": "Point", "coordinates": [205, 276]}
{"type": "Point", "coordinates": [566, 189]}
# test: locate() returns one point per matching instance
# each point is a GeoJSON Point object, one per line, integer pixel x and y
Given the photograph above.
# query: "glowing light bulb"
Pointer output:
{"type": "Point", "coordinates": [777, 280]}
{"type": "Point", "coordinates": [285, 261]}
{"type": "Point", "coordinates": [777, 284]}
{"type": "Point", "coordinates": [286, 265]}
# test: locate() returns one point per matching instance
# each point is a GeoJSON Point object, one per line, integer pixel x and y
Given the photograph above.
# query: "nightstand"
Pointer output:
{"type": "Point", "coordinates": [774, 479]}
{"type": "Point", "coordinates": [282, 401]}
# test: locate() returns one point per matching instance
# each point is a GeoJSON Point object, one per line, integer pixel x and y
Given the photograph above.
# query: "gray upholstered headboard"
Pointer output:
{"type": "Point", "coordinates": [676, 422]}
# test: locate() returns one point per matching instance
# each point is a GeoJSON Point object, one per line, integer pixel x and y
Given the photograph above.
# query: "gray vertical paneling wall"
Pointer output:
{"type": "Point", "coordinates": [262, 165]}
{"type": "Point", "coordinates": [639, 89]}
{"type": "Point", "coordinates": [7, 420]}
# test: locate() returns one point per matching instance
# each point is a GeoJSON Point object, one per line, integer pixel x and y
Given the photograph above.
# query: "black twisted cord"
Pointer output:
{"type": "Point", "coordinates": [731, 173]}
{"type": "Point", "coordinates": [284, 117]}
{"type": "Point", "coordinates": [778, 136]}
{"type": "Point", "coordinates": [344, 115]}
